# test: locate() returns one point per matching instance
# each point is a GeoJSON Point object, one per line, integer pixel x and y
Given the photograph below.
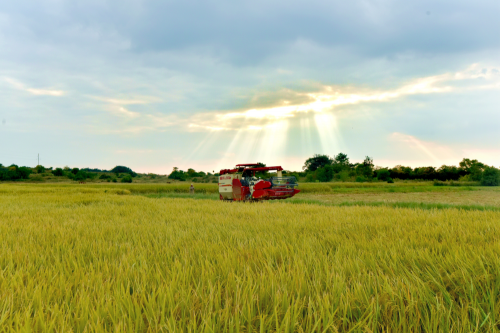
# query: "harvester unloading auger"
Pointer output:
{"type": "Point", "coordinates": [240, 184]}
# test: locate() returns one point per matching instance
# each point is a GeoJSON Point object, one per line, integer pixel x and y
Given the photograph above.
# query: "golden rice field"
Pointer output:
{"type": "Point", "coordinates": [86, 259]}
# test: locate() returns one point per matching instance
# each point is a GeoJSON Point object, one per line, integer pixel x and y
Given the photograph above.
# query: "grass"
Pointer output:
{"type": "Point", "coordinates": [79, 258]}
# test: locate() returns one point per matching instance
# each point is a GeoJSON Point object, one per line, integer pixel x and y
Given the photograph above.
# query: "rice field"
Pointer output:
{"type": "Point", "coordinates": [99, 258]}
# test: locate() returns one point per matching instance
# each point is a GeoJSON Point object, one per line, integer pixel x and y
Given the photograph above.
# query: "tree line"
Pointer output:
{"type": "Point", "coordinates": [321, 168]}
{"type": "Point", "coordinates": [324, 168]}
{"type": "Point", "coordinates": [14, 172]}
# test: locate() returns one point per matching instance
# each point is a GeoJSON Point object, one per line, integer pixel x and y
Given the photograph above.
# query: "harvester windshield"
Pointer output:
{"type": "Point", "coordinates": [287, 182]}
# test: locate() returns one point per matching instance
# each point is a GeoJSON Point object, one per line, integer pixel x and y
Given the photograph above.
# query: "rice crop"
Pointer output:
{"type": "Point", "coordinates": [92, 259]}
{"type": "Point", "coordinates": [210, 188]}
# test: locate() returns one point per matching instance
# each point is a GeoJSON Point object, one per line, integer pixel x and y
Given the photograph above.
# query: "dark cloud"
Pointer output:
{"type": "Point", "coordinates": [245, 33]}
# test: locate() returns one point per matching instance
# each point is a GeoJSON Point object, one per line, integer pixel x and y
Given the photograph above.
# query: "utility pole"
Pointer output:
{"type": "Point", "coordinates": [38, 159]}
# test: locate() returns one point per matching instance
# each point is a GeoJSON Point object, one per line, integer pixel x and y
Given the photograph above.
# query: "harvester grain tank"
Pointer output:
{"type": "Point", "coordinates": [241, 184]}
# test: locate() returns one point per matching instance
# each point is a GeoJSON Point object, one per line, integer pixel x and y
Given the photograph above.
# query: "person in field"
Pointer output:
{"type": "Point", "coordinates": [191, 189]}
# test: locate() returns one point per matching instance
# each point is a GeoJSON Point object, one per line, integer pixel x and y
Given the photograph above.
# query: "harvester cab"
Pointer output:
{"type": "Point", "coordinates": [241, 184]}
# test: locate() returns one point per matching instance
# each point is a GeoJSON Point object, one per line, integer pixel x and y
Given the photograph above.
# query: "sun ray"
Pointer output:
{"type": "Point", "coordinates": [305, 131]}
{"type": "Point", "coordinates": [206, 143]}
{"type": "Point", "coordinates": [273, 141]}
{"type": "Point", "coordinates": [328, 132]}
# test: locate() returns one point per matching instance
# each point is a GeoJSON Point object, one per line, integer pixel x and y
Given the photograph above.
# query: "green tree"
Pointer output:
{"type": "Point", "coordinates": [366, 168]}
{"type": "Point", "coordinates": [324, 174]}
{"type": "Point", "coordinates": [448, 172]}
{"type": "Point", "coordinates": [58, 172]}
{"type": "Point", "coordinates": [474, 168]}
{"type": "Point", "coordinates": [81, 175]}
{"type": "Point", "coordinates": [317, 161]}
{"type": "Point", "coordinates": [490, 176]}
{"type": "Point", "coordinates": [127, 179]}
{"type": "Point", "coordinates": [340, 162]}
{"type": "Point", "coordinates": [427, 173]}
{"type": "Point", "coordinates": [123, 169]}
{"type": "Point", "coordinates": [341, 159]}
{"type": "Point", "coordinates": [40, 169]}
{"type": "Point", "coordinates": [401, 172]}
{"type": "Point", "coordinates": [179, 175]}
{"type": "Point", "coordinates": [383, 174]}
{"type": "Point", "coordinates": [23, 172]}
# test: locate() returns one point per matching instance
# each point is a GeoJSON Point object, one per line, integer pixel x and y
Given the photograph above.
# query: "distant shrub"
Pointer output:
{"type": "Point", "coordinates": [343, 175]}
{"type": "Point", "coordinates": [81, 175]}
{"type": "Point", "coordinates": [490, 177]}
{"type": "Point", "coordinates": [14, 172]}
{"type": "Point", "coordinates": [40, 169]}
{"type": "Point", "coordinates": [178, 174]}
{"type": "Point", "coordinates": [127, 179]}
{"type": "Point", "coordinates": [383, 174]}
{"type": "Point", "coordinates": [324, 174]}
{"type": "Point", "coordinates": [58, 172]}
{"type": "Point", "coordinates": [390, 181]}
{"type": "Point", "coordinates": [439, 183]}
{"type": "Point", "coordinates": [104, 176]}
{"type": "Point", "coordinates": [75, 171]}
{"type": "Point", "coordinates": [114, 180]}
{"type": "Point", "coordinates": [37, 178]}
{"type": "Point", "coordinates": [360, 179]}
{"type": "Point", "coordinates": [123, 169]}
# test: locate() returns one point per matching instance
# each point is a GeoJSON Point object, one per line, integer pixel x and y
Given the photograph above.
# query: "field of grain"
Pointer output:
{"type": "Point", "coordinates": [99, 258]}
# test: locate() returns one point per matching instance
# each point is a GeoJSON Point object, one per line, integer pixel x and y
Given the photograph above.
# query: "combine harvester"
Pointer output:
{"type": "Point", "coordinates": [240, 184]}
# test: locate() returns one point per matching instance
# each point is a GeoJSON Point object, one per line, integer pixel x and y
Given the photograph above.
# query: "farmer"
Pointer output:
{"type": "Point", "coordinates": [191, 189]}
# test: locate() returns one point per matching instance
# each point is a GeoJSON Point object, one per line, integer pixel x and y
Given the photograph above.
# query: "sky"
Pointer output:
{"type": "Point", "coordinates": [207, 85]}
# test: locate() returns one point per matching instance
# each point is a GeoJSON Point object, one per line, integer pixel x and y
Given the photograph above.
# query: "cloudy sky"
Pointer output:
{"type": "Point", "coordinates": [209, 84]}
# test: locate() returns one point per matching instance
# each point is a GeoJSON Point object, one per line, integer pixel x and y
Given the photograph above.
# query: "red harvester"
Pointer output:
{"type": "Point", "coordinates": [240, 184]}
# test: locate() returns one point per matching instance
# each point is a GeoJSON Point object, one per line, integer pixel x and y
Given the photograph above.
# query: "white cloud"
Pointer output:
{"type": "Point", "coordinates": [124, 112]}
{"type": "Point", "coordinates": [127, 101]}
{"type": "Point", "coordinates": [330, 97]}
{"type": "Point", "coordinates": [46, 92]}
